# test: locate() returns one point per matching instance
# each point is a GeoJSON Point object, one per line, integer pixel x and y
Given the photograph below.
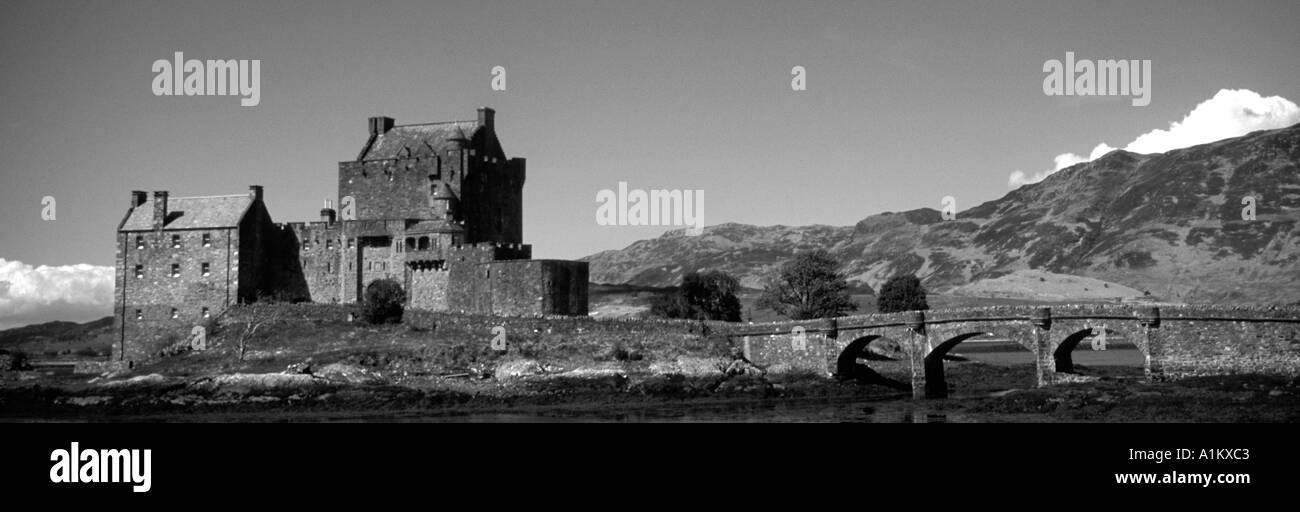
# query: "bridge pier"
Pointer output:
{"type": "Point", "coordinates": [919, 346]}
{"type": "Point", "coordinates": [1044, 358]}
{"type": "Point", "coordinates": [1149, 319]}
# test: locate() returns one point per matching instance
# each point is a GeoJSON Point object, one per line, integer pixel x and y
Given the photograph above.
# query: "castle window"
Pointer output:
{"type": "Point", "coordinates": [176, 241]}
{"type": "Point", "coordinates": [349, 265]}
{"type": "Point", "coordinates": [139, 314]}
{"type": "Point", "coordinates": [139, 271]}
{"type": "Point", "coordinates": [176, 269]}
{"type": "Point", "coordinates": [206, 271]}
{"type": "Point", "coordinates": [349, 243]}
{"type": "Point", "coordinates": [176, 313]}
{"type": "Point", "coordinates": [424, 243]}
{"type": "Point", "coordinates": [139, 242]}
{"type": "Point", "coordinates": [329, 244]}
{"type": "Point", "coordinates": [410, 244]}
{"type": "Point", "coordinates": [306, 244]}
{"type": "Point", "coordinates": [328, 267]}
{"type": "Point", "coordinates": [205, 312]}
{"type": "Point", "coordinates": [207, 240]}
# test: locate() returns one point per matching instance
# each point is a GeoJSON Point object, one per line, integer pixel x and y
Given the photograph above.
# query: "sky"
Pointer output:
{"type": "Point", "coordinates": [905, 103]}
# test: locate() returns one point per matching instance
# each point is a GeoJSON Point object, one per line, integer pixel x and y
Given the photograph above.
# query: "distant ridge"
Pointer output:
{"type": "Point", "coordinates": [1166, 223]}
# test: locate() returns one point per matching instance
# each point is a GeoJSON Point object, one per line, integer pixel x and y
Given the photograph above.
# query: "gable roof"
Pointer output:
{"type": "Point", "coordinates": [192, 213]}
{"type": "Point", "coordinates": [419, 138]}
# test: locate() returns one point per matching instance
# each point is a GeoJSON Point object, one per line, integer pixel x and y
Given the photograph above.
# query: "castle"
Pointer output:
{"type": "Point", "coordinates": [437, 207]}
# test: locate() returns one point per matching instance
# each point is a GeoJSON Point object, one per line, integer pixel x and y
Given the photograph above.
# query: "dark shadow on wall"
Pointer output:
{"type": "Point", "coordinates": [1064, 362]}
{"type": "Point", "coordinates": [847, 366]}
{"type": "Point", "coordinates": [936, 386]}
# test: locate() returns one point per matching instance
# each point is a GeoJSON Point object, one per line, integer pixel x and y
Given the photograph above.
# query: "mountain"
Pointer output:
{"type": "Point", "coordinates": [1170, 224]}
{"type": "Point", "coordinates": [57, 331]}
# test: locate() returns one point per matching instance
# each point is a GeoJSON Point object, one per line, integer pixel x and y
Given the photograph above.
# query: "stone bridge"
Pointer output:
{"type": "Point", "coordinates": [1176, 341]}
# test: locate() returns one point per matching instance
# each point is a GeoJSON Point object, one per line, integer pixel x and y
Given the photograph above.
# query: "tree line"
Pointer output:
{"type": "Point", "coordinates": [808, 286]}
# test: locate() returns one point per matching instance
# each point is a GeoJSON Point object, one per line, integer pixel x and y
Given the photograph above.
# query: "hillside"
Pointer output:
{"type": "Point", "coordinates": [60, 338]}
{"type": "Point", "coordinates": [1169, 223]}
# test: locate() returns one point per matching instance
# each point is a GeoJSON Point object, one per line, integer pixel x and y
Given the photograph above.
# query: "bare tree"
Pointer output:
{"type": "Point", "coordinates": [255, 316]}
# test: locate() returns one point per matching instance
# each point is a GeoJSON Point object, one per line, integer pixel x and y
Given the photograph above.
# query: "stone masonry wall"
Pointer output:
{"type": "Point", "coordinates": [427, 290]}
{"type": "Point", "coordinates": [147, 322]}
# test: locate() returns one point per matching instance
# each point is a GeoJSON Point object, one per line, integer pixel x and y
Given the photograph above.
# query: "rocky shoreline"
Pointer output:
{"type": "Point", "coordinates": [341, 391]}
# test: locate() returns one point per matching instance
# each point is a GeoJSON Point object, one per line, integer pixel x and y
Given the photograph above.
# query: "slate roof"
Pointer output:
{"type": "Point", "coordinates": [444, 192]}
{"type": "Point", "coordinates": [192, 213]}
{"type": "Point", "coordinates": [420, 139]}
{"type": "Point", "coordinates": [434, 226]}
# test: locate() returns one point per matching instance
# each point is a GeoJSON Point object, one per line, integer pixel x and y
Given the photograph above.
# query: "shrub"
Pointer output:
{"type": "Point", "coordinates": [385, 301]}
{"type": "Point", "coordinates": [702, 296]}
{"type": "Point", "coordinates": [901, 293]}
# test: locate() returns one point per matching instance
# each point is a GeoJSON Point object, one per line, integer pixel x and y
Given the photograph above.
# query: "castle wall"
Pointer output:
{"type": "Point", "coordinates": [256, 277]}
{"type": "Point", "coordinates": [427, 290]}
{"type": "Point", "coordinates": [491, 200]}
{"type": "Point", "coordinates": [321, 248]}
{"type": "Point", "coordinates": [169, 307]}
{"type": "Point", "coordinates": [380, 262]}
{"type": "Point", "coordinates": [538, 287]}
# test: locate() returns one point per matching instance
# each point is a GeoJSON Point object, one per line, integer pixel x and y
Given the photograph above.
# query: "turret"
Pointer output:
{"type": "Point", "coordinates": [442, 200]}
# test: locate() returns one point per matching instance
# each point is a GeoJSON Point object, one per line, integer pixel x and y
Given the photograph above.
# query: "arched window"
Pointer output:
{"type": "Point", "coordinates": [424, 243]}
{"type": "Point", "coordinates": [410, 243]}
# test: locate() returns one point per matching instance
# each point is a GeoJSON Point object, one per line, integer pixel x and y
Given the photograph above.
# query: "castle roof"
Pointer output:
{"type": "Point", "coordinates": [420, 138]}
{"type": "Point", "coordinates": [192, 213]}
{"type": "Point", "coordinates": [434, 226]}
{"type": "Point", "coordinates": [444, 191]}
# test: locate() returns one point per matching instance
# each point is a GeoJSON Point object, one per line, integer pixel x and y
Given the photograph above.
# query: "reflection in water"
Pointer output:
{"type": "Point", "coordinates": [899, 410]}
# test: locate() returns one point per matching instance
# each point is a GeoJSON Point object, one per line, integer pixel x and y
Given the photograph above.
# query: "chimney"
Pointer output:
{"type": "Point", "coordinates": [138, 197]}
{"type": "Point", "coordinates": [159, 208]}
{"type": "Point", "coordinates": [380, 125]}
{"type": "Point", "coordinates": [485, 117]}
{"type": "Point", "coordinates": [327, 213]}
{"type": "Point", "coordinates": [255, 192]}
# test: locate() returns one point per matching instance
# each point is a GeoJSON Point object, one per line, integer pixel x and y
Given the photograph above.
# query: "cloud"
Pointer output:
{"type": "Point", "coordinates": [1230, 113]}
{"type": "Point", "coordinates": [77, 293]}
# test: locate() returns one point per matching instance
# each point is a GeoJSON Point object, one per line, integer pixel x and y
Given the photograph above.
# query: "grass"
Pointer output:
{"type": "Point", "coordinates": [414, 352]}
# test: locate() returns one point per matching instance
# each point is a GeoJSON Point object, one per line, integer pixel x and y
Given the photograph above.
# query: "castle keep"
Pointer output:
{"type": "Point", "coordinates": [436, 207]}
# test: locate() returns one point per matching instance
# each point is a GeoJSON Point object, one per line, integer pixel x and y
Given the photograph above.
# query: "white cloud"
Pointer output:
{"type": "Point", "coordinates": [1230, 113]}
{"type": "Point", "coordinates": [77, 293]}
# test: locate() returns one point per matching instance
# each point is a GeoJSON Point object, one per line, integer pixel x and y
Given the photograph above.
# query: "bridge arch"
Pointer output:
{"type": "Point", "coordinates": [1062, 355]}
{"type": "Point", "coordinates": [848, 367]}
{"type": "Point", "coordinates": [935, 384]}
{"type": "Point", "coordinates": [848, 359]}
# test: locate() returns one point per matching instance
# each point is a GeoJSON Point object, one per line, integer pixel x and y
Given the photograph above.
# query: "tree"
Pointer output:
{"type": "Point", "coordinates": [255, 316]}
{"type": "Point", "coordinates": [385, 302]}
{"type": "Point", "coordinates": [702, 296]}
{"type": "Point", "coordinates": [901, 293]}
{"type": "Point", "coordinates": [809, 286]}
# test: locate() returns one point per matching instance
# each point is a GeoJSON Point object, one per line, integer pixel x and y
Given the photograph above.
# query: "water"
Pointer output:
{"type": "Point", "coordinates": [898, 410]}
